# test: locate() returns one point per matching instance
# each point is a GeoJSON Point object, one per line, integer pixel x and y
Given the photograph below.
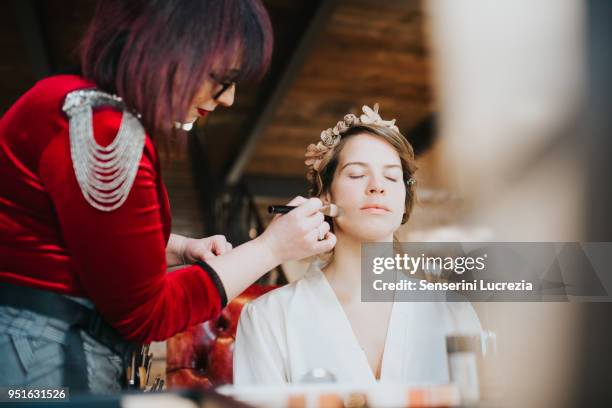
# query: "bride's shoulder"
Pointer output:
{"type": "Point", "coordinates": [276, 297]}
{"type": "Point", "coordinates": [281, 298]}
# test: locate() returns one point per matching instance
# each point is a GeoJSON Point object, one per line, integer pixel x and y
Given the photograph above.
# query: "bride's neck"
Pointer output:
{"type": "Point", "coordinates": [344, 271]}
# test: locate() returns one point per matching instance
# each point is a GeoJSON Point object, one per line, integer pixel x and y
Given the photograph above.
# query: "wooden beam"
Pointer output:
{"type": "Point", "coordinates": [307, 42]}
{"type": "Point", "coordinates": [276, 187]}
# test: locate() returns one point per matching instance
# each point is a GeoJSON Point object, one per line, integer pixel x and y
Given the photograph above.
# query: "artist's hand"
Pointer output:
{"type": "Point", "coordinates": [205, 248]}
{"type": "Point", "coordinates": [300, 233]}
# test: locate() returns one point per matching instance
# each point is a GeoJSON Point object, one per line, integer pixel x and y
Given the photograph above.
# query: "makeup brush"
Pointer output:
{"type": "Point", "coordinates": [331, 210]}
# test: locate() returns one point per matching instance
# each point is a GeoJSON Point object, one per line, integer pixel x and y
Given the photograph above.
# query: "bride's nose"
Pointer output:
{"type": "Point", "coordinates": [375, 186]}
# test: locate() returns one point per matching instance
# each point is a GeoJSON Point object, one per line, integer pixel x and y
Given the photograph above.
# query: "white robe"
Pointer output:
{"type": "Point", "coordinates": [292, 330]}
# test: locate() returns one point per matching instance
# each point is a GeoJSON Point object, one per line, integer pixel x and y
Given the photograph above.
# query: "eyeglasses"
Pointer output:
{"type": "Point", "coordinates": [225, 85]}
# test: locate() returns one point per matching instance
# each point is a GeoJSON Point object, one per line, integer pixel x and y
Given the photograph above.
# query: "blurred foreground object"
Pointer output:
{"type": "Point", "coordinates": [524, 95]}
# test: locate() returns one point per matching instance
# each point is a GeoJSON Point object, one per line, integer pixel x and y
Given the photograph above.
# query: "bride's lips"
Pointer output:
{"type": "Point", "coordinates": [375, 209]}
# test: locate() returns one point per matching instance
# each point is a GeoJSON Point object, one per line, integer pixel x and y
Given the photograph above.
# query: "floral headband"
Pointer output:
{"type": "Point", "coordinates": [330, 137]}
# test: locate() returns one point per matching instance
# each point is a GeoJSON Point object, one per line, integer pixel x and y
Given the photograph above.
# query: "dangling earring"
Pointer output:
{"type": "Point", "coordinates": [184, 126]}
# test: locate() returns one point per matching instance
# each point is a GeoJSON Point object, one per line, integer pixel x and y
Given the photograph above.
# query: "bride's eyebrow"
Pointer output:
{"type": "Point", "coordinates": [362, 164]}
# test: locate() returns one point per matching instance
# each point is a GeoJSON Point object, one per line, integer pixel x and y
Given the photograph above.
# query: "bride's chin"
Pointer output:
{"type": "Point", "coordinates": [368, 236]}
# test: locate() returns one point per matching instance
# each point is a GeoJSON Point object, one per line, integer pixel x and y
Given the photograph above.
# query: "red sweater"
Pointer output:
{"type": "Point", "coordinates": [51, 238]}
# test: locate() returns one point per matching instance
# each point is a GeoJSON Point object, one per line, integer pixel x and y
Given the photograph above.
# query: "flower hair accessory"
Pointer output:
{"type": "Point", "coordinates": [330, 137]}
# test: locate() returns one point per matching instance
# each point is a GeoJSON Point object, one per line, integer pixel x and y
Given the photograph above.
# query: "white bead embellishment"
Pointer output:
{"type": "Point", "coordinates": [105, 174]}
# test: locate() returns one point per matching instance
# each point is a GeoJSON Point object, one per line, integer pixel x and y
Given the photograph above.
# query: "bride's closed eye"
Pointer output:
{"type": "Point", "coordinates": [358, 176]}
{"type": "Point", "coordinates": [393, 175]}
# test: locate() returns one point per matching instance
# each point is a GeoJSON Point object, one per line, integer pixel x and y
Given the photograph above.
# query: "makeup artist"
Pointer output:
{"type": "Point", "coordinates": [85, 236]}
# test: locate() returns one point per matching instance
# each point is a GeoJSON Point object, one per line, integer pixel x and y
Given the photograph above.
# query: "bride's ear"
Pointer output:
{"type": "Point", "coordinates": [326, 198]}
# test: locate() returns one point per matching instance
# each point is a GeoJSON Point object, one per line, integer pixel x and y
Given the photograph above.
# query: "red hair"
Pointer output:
{"type": "Point", "coordinates": [156, 54]}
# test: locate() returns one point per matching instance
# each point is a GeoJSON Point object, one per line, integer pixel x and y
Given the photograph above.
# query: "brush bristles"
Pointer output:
{"type": "Point", "coordinates": [332, 210]}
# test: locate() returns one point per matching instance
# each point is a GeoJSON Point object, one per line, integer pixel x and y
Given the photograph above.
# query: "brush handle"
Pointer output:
{"type": "Point", "coordinates": [329, 210]}
{"type": "Point", "coordinates": [280, 209]}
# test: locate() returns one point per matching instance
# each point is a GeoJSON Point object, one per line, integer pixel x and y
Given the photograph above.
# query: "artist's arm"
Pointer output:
{"type": "Point", "coordinates": [288, 237]}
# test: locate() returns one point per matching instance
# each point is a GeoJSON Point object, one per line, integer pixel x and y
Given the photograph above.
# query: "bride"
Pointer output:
{"type": "Point", "coordinates": [366, 167]}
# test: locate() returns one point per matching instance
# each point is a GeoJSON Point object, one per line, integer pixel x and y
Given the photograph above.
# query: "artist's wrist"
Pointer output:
{"type": "Point", "coordinates": [269, 254]}
{"type": "Point", "coordinates": [183, 253]}
{"type": "Point", "coordinates": [178, 248]}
